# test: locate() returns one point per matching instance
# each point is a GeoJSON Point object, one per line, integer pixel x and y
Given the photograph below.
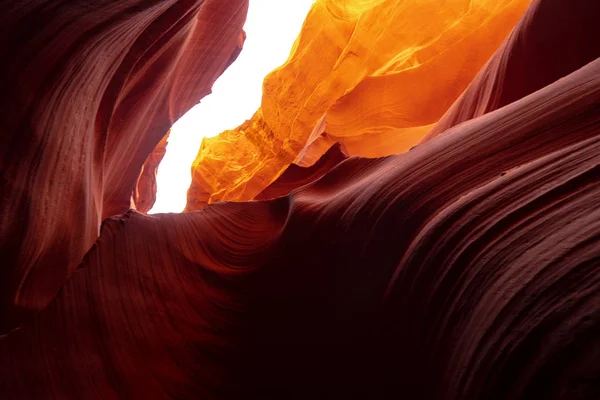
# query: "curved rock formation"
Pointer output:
{"type": "Point", "coordinates": [465, 268]}
{"type": "Point", "coordinates": [477, 277]}
{"type": "Point", "coordinates": [88, 92]}
{"type": "Point", "coordinates": [381, 72]}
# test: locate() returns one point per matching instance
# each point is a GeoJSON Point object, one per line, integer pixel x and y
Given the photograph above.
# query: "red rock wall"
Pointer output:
{"type": "Point", "coordinates": [478, 277]}
{"type": "Point", "coordinates": [88, 90]}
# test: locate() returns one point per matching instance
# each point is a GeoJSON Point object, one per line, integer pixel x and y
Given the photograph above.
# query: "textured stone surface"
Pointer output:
{"type": "Point", "coordinates": [477, 277]}
{"type": "Point", "coordinates": [87, 92]}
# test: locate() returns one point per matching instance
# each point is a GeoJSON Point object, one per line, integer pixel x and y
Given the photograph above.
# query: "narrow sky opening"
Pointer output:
{"type": "Point", "coordinates": [271, 27]}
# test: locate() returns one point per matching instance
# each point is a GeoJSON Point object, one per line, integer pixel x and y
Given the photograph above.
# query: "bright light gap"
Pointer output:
{"type": "Point", "coordinates": [271, 28]}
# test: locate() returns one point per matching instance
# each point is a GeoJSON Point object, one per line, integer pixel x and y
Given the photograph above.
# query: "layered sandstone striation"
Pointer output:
{"type": "Point", "coordinates": [88, 91]}
{"type": "Point", "coordinates": [477, 277]}
{"type": "Point", "coordinates": [465, 268]}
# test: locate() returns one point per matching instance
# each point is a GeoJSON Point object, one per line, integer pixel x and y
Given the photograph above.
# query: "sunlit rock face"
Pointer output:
{"type": "Point", "coordinates": [465, 268]}
{"type": "Point", "coordinates": [382, 72]}
{"type": "Point", "coordinates": [87, 93]}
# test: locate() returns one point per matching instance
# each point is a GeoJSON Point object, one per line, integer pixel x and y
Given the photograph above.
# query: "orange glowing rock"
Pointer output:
{"type": "Point", "coordinates": [377, 75]}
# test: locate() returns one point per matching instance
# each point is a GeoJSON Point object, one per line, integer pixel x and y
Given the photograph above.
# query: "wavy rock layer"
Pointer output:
{"type": "Point", "coordinates": [88, 92]}
{"type": "Point", "coordinates": [465, 268]}
{"type": "Point", "coordinates": [477, 277]}
{"type": "Point", "coordinates": [381, 72]}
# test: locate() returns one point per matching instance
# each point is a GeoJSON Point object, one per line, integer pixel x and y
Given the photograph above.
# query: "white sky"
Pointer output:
{"type": "Point", "coordinates": [271, 28]}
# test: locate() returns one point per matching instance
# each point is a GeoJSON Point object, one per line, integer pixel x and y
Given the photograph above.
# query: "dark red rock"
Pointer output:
{"type": "Point", "coordinates": [468, 267]}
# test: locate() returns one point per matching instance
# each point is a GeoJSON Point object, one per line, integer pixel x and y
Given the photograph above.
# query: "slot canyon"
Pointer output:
{"type": "Point", "coordinates": [412, 213]}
